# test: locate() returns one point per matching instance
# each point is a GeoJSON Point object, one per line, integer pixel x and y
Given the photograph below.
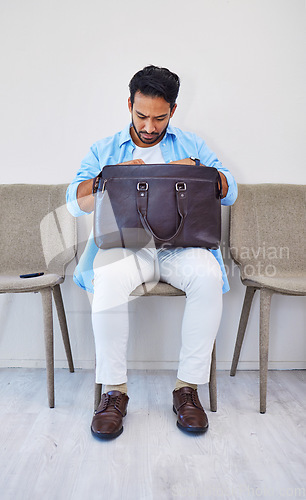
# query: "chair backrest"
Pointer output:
{"type": "Point", "coordinates": [37, 233]}
{"type": "Point", "coordinates": [267, 229]}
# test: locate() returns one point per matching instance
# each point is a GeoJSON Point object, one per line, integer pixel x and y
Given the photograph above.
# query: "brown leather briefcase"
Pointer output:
{"type": "Point", "coordinates": [169, 205]}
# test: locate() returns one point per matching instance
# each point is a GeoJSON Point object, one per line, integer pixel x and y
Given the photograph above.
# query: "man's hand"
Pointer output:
{"type": "Point", "coordinates": [132, 162]}
{"type": "Point", "coordinates": [188, 161]}
{"type": "Point", "coordinates": [84, 193]}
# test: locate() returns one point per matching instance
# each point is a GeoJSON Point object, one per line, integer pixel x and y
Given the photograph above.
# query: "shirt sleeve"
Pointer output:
{"type": "Point", "coordinates": [90, 167]}
{"type": "Point", "coordinates": [210, 159]}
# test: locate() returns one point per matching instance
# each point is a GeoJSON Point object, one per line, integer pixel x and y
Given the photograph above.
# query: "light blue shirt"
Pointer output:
{"type": "Point", "coordinates": [175, 145]}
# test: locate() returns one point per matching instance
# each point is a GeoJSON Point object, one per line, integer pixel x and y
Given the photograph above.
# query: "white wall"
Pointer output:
{"type": "Point", "coordinates": [65, 69]}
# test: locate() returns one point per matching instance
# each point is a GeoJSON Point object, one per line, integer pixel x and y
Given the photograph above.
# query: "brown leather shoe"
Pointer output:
{"type": "Point", "coordinates": [107, 420]}
{"type": "Point", "coordinates": [190, 414]}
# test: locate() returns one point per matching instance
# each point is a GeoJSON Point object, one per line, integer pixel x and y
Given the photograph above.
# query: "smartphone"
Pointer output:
{"type": "Point", "coordinates": [31, 275]}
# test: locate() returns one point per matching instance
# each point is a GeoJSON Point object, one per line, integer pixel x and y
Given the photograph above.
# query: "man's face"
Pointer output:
{"type": "Point", "coordinates": [150, 119]}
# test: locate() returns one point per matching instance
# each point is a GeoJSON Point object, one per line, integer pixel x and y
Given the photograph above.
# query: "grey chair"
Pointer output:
{"type": "Point", "coordinates": [165, 290]}
{"type": "Point", "coordinates": [37, 234]}
{"type": "Point", "coordinates": [267, 242]}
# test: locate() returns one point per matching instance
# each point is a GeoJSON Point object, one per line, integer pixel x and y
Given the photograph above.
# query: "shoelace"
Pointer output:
{"type": "Point", "coordinates": [109, 400]}
{"type": "Point", "coordinates": [189, 397]}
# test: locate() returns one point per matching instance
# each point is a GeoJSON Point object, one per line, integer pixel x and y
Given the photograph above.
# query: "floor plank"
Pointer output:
{"type": "Point", "coordinates": [50, 453]}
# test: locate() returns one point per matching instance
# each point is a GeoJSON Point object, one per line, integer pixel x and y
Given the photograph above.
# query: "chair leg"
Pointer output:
{"type": "Point", "coordinates": [249, 294]}
{"type": "Point", "coordinates": [213, 381]}
{"type": "Point", "coordinates": [48, 333]}
{"type": "Point", "coordinates": [265, 306]}
{"type": "Point", "coordinates": [63, 324]}
{"type": "Point", "coordinates": [98, 390]}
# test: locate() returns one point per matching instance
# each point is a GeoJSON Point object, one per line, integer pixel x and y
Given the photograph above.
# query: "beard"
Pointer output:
{"type": "Point", "coordinates": [155, 136]}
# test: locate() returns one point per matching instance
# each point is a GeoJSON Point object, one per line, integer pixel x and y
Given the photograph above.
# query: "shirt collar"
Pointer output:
{"type": "Point", "coordinates": [124, 135]}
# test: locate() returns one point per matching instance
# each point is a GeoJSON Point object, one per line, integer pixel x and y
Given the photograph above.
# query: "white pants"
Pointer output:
{"type": "Point", "coordinates": [117, 272]}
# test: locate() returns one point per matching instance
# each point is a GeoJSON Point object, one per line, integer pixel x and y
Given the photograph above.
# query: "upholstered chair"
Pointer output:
{"type": "Point", "coordinates": [37, 234]}
{"type": "Point", "coordinates": [267, 242]}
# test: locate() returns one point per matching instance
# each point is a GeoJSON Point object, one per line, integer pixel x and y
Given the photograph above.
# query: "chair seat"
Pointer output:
{"type": "Point", "coordinates": [289, 284]}
{"type": "Point", "coordinates": [13, 283]}
{"type": "Point", "coordinates": [156, 288]}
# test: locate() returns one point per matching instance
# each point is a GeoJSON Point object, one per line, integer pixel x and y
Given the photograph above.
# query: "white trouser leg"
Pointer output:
{"type": "Point", "coordinates": [197, 272]}
{"type": "Point", "coordinates": [117, 272]}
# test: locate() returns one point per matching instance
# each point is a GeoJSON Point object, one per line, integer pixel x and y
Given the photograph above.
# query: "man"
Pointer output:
{"type": "Point", "coordinates": [113, 274]}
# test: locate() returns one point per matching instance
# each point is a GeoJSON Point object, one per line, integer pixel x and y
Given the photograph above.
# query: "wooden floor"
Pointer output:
{"type": "Point", "coordinates": [50, 453]}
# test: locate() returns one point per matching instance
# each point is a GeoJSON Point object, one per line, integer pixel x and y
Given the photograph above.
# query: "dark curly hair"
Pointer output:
{"type": "Point", "coordinates": [155, 82]}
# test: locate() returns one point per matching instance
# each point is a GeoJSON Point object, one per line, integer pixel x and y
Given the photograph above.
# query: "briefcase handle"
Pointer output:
{"type": "Point", "coordinates": [142, 207]}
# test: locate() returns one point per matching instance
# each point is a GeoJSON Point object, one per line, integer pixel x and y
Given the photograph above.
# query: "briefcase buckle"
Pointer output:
{"type": "Point", "coordinates": [142, 186]}
{"type": "Point", "coordinates": [180, 186]}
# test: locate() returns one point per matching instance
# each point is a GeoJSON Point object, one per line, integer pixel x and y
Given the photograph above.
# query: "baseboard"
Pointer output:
{"type": "Point", "coordinates": [150, 365]}
{"type": "Point", "coordinates": [254, 365]}
{"type": "Point", "coordinates": [41, 363]}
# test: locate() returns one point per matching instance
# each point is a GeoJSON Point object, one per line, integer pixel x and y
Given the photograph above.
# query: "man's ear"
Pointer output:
{"type": "Point", "coordinates": [130, 105]}
{"type": "Point", "coordinates": [173, 110]}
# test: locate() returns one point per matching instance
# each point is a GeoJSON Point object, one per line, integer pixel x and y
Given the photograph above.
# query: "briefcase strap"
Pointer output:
{"type": "Point", "coordinates": [142, 208]}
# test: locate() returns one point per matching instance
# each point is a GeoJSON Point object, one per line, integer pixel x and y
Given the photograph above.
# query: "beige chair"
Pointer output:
{"type": "Point", "coordinates": [267, 242]}
{"type": "Point", "coordinates": [37, 234]}
{"type": "Point", "coordinates": [165, 290]}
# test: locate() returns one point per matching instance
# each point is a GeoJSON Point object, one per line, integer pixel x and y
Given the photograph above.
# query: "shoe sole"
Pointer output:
{"type": "Point", "coordinates": [101, 435]}
{"type": "Point", "coordinates": [195, 430]}
{"type": "Point", "coordinates": [198, 430]}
